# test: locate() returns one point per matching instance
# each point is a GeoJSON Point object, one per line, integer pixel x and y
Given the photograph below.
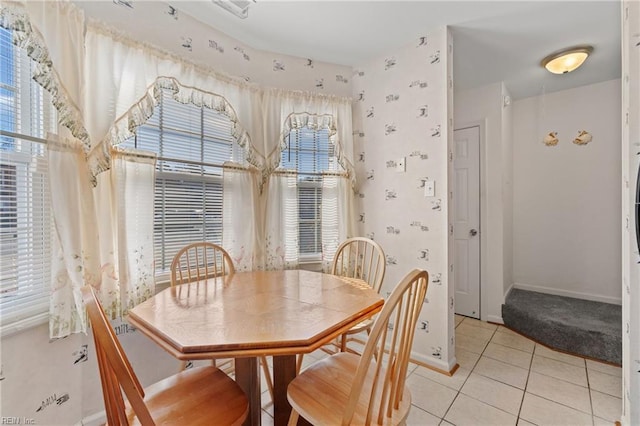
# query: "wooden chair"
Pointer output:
{"type": "Point", "coordinates": [364, 259]}
{"type": "Point", "coordinates": [199, 261]}
{"type": "Point", "coordinates": [199, 396]}
{"type": "Point", "coordinates": [202, 260]}
{"type": "Point", "coordinates": [360, 258]}
{"type": "Point", "coordinates": [347, 388]}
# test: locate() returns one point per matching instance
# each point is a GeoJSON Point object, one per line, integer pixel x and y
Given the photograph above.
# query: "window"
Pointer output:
{"type": "Point", "coordinates": [26, 115]}
{"type": "Point", "coordinates": [311, 153]}
{"type": "Point", "coordinates": [192, 143]}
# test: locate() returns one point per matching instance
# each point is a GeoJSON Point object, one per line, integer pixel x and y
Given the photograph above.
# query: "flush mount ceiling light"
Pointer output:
{"type": "Point", "coordinates": [240, 8]}
{"type": "Point", "coordinates": [566, 60]}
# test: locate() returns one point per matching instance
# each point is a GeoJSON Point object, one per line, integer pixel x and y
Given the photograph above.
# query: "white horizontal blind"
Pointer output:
{"type": "Point", "coordinates": [309, 152]}
{"type": "Point", "coordinates": [26, 115]}
{"type": "Point", "coordinates": [192, 144]}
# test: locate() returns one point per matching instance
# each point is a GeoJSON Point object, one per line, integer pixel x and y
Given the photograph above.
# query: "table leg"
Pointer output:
{"type": "Point", "coordinates": [284, 370]}
{"type": "Point", "coordinates": [249, 380]}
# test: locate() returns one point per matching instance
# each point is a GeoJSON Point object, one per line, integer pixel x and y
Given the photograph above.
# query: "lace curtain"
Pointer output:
{"type": "Point", "coordinates": [103, 235]}
{"type": "Point", "coordinates": [285, 110]}
{"type": "Point", "coordinates": [74, 244]}
{"type": "Point", "coordinates": [128, 77]}
{"type": "Point", "coordinates": [282, 219]}
{"type": "Point", "coordinates": [337, 216]}
{"type": "Point", "coordinates": [239, 221]}
{"type": "Point", "coordinates": [104, 86]}
{"type": "Point", "coordinates": [102, 227]}
{"type": "Point", "coordinates": [281, 231]}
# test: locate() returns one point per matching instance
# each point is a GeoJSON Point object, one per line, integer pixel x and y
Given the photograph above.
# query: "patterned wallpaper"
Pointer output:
{"type": "Point", "coordinates": [401, 138]}
{"type": "Point", "coordinates": [166, 26]}
{"type": "Point", "coordinates": [630, 249]}
{"type": "Point", "coordinates": [57, 382]}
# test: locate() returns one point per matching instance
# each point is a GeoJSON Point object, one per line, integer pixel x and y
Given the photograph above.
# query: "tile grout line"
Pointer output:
{"type": "Point", "coordinates": [459, 391]}
{"type": "Point", "coordinates": [590, 393]}
{"type": "Point", "coordinates": [526, 385]}
{"type": "Point", "coordinates": [588, 387]}
{"type": "Point", "coordinates": [533, 354]}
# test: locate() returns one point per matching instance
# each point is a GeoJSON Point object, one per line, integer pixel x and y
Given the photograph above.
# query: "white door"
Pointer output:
{"type": "Point", "coordinates": [466, 225]}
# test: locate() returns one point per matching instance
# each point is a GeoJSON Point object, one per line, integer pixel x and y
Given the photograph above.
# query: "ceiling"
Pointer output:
{"type": "Point", "coordinates": [493, 40]}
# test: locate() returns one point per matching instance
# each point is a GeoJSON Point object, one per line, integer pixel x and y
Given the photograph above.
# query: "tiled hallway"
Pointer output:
{"type": "Point", "coordinates": [507, 379]}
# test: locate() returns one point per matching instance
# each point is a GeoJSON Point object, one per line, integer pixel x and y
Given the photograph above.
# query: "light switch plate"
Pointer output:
{"type": "Point", "coordinates": [402, 165]}
{"type": "Point", "coordinates": [429, 188]}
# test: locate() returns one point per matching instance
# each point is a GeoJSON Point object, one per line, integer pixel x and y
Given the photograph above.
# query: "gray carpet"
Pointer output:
{"type": "Point", "coordinates": [582, 327]}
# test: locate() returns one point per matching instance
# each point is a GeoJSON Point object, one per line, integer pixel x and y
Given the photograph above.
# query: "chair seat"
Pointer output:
{"type": "Point", "coordinates": [197, 396]}
{"type": "Point", "coordinates": [361, 326]}
{"type": "Point", "coordinates": [343, 339]}
{"type": "Point", "coordinates": [321, 394]}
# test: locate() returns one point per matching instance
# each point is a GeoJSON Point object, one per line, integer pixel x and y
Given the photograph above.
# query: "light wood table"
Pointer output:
{"type": "Point", "coordinates": [249, 314]}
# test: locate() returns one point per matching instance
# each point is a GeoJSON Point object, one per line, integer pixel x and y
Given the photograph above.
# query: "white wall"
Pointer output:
{"type": "Point", "coordinates": [484, 106]}
{"type": "Point", "coordinates": [566, 220]}
{"type": "Point", "coordinates": [392, 95]}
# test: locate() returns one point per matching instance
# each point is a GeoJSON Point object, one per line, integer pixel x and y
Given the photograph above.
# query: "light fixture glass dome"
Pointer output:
{"type": "Point", "coordinates": [566, 60]}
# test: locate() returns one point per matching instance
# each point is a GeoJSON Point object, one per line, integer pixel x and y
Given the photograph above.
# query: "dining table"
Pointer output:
{"type": "Point", "coordinates": [245, 315]}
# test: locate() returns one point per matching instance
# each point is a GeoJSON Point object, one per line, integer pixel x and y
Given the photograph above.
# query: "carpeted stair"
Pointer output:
{"type": "Point", "coordinates": [582, 327]}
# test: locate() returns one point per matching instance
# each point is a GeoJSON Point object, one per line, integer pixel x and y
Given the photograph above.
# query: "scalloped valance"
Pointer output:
{"type": "Point", "coordinates": [105, 84]}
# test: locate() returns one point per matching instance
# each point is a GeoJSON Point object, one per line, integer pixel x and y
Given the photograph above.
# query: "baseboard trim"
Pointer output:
{"type": "Point", "coordinates": [429, 362]}
{"type": "Point", "coordinates": [568, 293]}
{"type": "Point", "coordinates": [435, 364]}
{"type": "Point", "coordinates": [494, 319]}
{"type": "Point", "coordinates": [96, 419]}
{"type": "Point", "coordinates": [506, 293]}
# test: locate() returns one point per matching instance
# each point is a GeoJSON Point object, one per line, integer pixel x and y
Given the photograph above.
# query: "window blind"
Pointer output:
{"type": "Point", "coordinates": [310, 152]}
{"type": "Point", "coordinates": [193, 142]}
{"type": "Point", "coordinates": [26, 115]}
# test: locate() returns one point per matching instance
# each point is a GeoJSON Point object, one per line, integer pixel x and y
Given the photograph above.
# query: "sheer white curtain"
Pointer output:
{"type": "Point", "coordinates": [132, 180]}
{"type": "Point", "coordinates": [285, 110]}
{"type": "Point", "coordinates": [104, 85]}
{"type": "Point", "coordinates": [74, 238]}
{"type": "Point", "coordinates": [103, 235]}
{"type": "Point", "coordinates": [53, 34]}
{"type": "Point", "coordinates": [281, 222]}
{"type": "Point", "coordinates": [75, 251]}
{"type": "Point", "coordinates": [239, 219]}
{"type": "Point", "coordinates": [123, 199]}
{"type": "Point", "coordinates": [127, 76]}
{"type": "Point", "coordinates": [101, 226]}
{"type": "Point", "coordinates": [337, 216]}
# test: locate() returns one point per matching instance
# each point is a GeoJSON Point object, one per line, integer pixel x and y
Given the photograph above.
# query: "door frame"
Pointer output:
{"type": "Point", "coordinates": [482, 126]}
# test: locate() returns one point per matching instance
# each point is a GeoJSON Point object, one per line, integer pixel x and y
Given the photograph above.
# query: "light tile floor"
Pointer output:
{"type": "Point", "coordinates": [506, 379]}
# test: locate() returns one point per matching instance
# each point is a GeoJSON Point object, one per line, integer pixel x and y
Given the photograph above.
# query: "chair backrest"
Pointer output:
{"type": "Point", "coordinates": [116, 373]}
{"type": "Point", "coordinates": [199, 261]}
{"type": "Point", "coordinates": [388, 350]}
{"type": "Point", "coordinates": [360, 258]}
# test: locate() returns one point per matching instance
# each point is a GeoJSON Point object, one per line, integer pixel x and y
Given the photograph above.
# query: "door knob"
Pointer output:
{"type": "Point", "coordinates": [473, 232]}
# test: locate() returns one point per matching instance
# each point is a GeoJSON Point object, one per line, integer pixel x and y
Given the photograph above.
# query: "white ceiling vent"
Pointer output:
{"type": "Point", "coordinates": [240, 8]}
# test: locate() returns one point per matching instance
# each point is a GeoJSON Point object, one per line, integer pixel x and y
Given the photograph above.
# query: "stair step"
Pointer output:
{"type": "Point", "coordinates": [582, 327]}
